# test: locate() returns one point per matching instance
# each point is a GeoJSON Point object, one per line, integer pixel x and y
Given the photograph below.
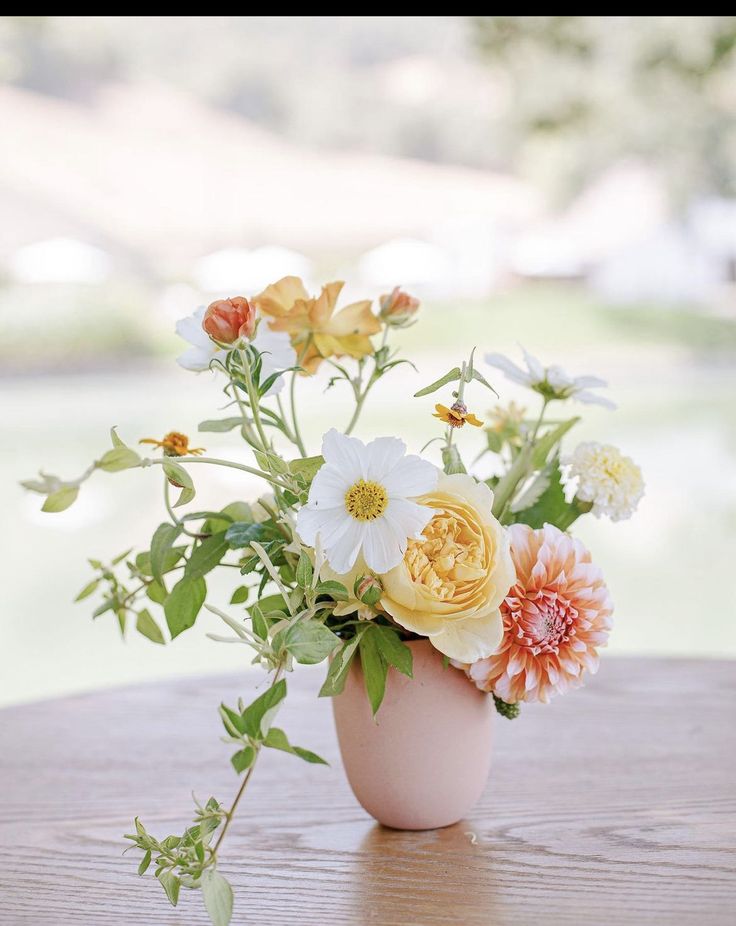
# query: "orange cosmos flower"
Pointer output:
{"type": "Point", "coordinates": [174, 444]}
{"type": "Point", "coordinates": [315, 331]}
{"type": "Point", "coordinates": [457, 415]}
{"type": "Point", "coordinates": [227, 320]}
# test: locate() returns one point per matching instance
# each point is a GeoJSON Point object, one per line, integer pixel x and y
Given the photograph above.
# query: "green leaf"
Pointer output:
{"type": "Point", "coordinates": [375, 669]}
{"type": "Point", "coordinates": [494, 440]}
{"type": "Point", "coordinates": [242, 534]}
{"type": "Point", "coordinates": [304, 570]}
{"type": "Point", "coordinates": [148, 627]}
{"type": "Point", "coordinates": [258, 715]}
{"type": "Point", "coordinates": [183, 604]}
{"type": "Point", "coordinates": [116, 441]}
{"type": "Point", "coordinates": [243, 759]}
{"type": "Point", "coordinates": [171, 884]}
{"type": "Point", "coordinates": [549, 441]}
{"type": "Point", "coordinates": [156, 592]}
{"type": "Point", "coordinates": [551, 507]}
{"type": "Point", "coordinates": [218, 425]}
{"type": "Point", "coordinates": [121, 556]}
{"type": "Point", "coordinates": [483, 381]}
{"type": "Point", "coordinates": [277, 739]}
{"type": "Point", "coordinates": [61, 499]}
{"type": "Point", "coordinates": [451, 461]}
{"type": "Point", "coordinates": [145, 862]}
{"type": "Point", "coordinates": [206, 556]}
{"type": "Point", "coordinates": [144, 566]}
{"type": "Point", "coordinates": [232, 721]}
{"type": "Point", "coordinates": [310, 642]}
{"type": "Point", "coordinates": [394, 651]}
{"type": "Point", "coordinates": [117, 459]}
{"type": "Point", "coordinates": [340, 663]}
{"type": "Point", "coordinates": [178, 476]}
{"type": "Point", "coordinates": [450, 377]}
{"type": "Point", "coordinates": [240, 595]}
{"type": "Point", "coordinates": [161, 543]}
{"type": "Point", "coordinates": [88, 589]}
{"type": "Point", "coordinates": [307, 468]}
{"type": "Point", "coordinates": [335, 590]}
{"type": "Point", "coordinates": [218, 897]}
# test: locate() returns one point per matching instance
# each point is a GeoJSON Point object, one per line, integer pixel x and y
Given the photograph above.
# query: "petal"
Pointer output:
{"type": "Point", "coordinates": [195, 359]}
{"type": "Point", "coordinates": [470, 639]}
{"type": "Point", "coordinates": [382, 455]}
{"type": "Point", "coordinates": [346, 453]}
{"type": "Point", "coordinates": [406, 518]}
{"type": "Point", "coordinates": [383, 547]}
{"type": "Point", "coordinates": [279, 297]}
{"type": "Point", "coordinates": [355, 319]}
{"type": "Point", "coordinates": [588, 382]}
{"type": "Point", "coordinates": [328, 488]}
{"type": "Point", "coordinates": [410, 477]}
{"type": "Point", "coordinates": [342, 551]}
{"type": "Point", "coordinates": [512, 372]}
{"type": "Point", "coordinates": [536, 370]}
{"type": "Point", "coordinates": [310, 522]}
{"type": "Point", "coordinates": [590, 398]}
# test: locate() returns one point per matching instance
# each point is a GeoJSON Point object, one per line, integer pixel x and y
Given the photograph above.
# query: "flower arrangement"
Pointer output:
{"type": "Point", "coordinates": [363, 547]}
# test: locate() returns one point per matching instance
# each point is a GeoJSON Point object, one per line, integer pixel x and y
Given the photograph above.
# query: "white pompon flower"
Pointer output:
{"type": "Point", "coordinates": [360, 502]}
{"type": "Point", "coordinates": [551, 382]}
{"type": "Point", "coordinates": [203, 349]}
{"type": "Point", "coordinates": [607, 479]}
{"type": "Point", "coordinates": [276, 353]}
{"type": "Point", "coordinates": [274, 346]}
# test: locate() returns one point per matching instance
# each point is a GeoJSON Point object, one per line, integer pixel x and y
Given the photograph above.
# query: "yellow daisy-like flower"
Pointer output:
{"type": "Point", "coordinates": [314, 328]}
{"type": "Point", "coordinates": [174, 444]}
{"type": "Point", "coordinates": [457, 415]}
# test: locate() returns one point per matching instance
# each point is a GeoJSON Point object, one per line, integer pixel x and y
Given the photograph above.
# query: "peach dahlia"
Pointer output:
{"type": "Point", "coordinates": [555, 617]}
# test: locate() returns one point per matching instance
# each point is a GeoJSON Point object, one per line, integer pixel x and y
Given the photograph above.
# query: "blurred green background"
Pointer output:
{"type": "Point", "coordinates": [565, 183]}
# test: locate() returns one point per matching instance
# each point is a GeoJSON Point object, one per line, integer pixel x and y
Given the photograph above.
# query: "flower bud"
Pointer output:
{"type": "Point", "coordinates": [368, 590]}
{"type": "Point", "coordinates": [398, 308]}
{"type": "Point", "coordinates": [228, 320]}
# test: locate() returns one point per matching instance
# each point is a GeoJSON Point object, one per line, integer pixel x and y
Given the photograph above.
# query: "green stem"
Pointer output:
{"type": "Point", "coordinates": [241, 790]}
{"type": "Point", "coordinates": [217, 462]}
{"type": "Point", "coordinates": [253, 399]}
{"type": "Point", "coordinates": [292, 400]}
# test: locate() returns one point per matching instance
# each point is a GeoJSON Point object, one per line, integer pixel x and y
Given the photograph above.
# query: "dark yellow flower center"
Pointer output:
{"type": "Point", "coordinates": [366, 501]}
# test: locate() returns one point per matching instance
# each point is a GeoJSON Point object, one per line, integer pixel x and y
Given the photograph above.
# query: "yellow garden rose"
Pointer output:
{"type": "Point", "coordinates": [453, 578]}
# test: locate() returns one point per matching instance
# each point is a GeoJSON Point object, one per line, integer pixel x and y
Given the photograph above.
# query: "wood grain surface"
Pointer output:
{"type": "Point", "coordinates": [616, 804]}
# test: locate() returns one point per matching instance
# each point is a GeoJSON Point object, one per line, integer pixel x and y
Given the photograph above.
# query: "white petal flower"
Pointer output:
{"type": "Point", "coordinates": [551, 382]}
{"type": "Point", "coordinates": [611, 482]}
{"type": "Point", "coordinates": [276, 352]}
{"type": "Point", "coordinates": [203, 350]}
{"type": "Point", "coordinates": [360, 502]}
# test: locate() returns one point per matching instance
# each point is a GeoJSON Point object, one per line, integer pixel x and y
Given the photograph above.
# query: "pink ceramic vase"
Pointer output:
{"type": "Point", "coordinates": [424, 761]}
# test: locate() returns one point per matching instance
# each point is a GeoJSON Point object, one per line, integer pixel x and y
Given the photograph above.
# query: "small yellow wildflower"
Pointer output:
{"type": "Point", "coordinates": [457, 415]}
{"type": "Point", "coordinates": [174, 444]}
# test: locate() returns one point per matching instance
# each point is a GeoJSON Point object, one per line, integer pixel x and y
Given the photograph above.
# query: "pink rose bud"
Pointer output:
{"type": "Point", "coordinates": [398, 308]}
{"type": "Point", "coordinates": [228, 320]}
{"type": "Point", "coordinates": [368, 590]}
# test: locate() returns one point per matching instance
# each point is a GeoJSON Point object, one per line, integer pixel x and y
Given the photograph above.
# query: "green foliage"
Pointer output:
{"type": "Point", "coordinates": [550, 507]}
{"type": "Point", "coordinates": [184, 603]}
{"type": "Point", "coordinates": [304, 570]}
{"type": "Point", "coordinates": [147, 626]}
{"type": "Point", "coordinates": [162, 542]}
{"type": "Point", "coordinates": [61, 499]}
{"type": "Point", "coordinates": [219, 425]}
{"type": "Point", "coordinates": [206, 555]}
{"type": "Point", "coordinates": [509, 711]}
{"type": "Point", "coordinates": [381, 647]}
{"type": "Point", "coordinates": [340, 664]}
{"type": "Point", "coordinates": [180, 478]}
{"type": "Point", "coordinates": [335, 590]}
{"type": "Point", "coordinates": [310, 642]}
{"type": "Point", "coordinates": [546, 444]}
{"type": "Point", "coordinates": [450, 377]}
{"type": "Point", "coordinates": [242, 533]}
{"type": "Point", "coordinates": [451, 460]}
{"type": "Point", "coordinates": [118, 459]}
{"type": "Point", "coordinates": [218, 897]}
{"type": "Point", "coordinates": [277, 739]}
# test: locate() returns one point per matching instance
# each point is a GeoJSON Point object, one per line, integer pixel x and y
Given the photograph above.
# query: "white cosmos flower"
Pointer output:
{"type": "Point", "coordinates": [360, 502]}
{"type": "Point", "coordinates": [551, 382]}
{"type": "Point", "coordinates": [275, 347]}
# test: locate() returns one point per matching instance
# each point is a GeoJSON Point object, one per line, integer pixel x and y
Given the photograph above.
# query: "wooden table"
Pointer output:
{"type": "Point", "coordinates": [616, 804]}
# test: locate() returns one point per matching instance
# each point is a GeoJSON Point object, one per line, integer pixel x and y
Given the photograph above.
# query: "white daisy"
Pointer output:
{"type": "Point", "coordinates": [274, 346]}
{"type": "Point", "coordinates": [360, 502]}
{"type": "Point", "coordinates": [551, 382]}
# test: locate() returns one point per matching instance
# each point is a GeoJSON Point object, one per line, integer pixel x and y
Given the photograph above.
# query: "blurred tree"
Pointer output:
{"type": "Point", "coordinates": [585, 91]}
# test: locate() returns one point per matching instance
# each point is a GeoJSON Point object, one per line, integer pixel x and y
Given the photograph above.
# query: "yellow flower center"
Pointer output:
{"type": "Point", "coordinates": [366, 501]}
{"type": "Point", "coordinates": [447, 555]}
